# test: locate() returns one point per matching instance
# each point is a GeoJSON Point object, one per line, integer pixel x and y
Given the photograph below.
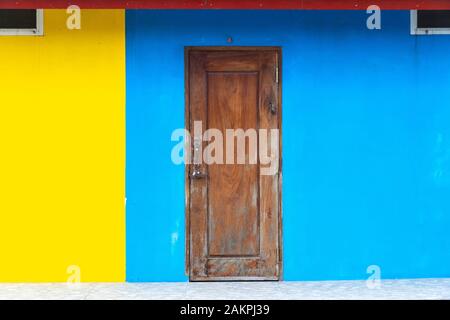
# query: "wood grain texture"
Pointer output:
{"type": "Point", "coordinates": [233, 190]}
{"type": "Point", "coordinates": [234, 213]}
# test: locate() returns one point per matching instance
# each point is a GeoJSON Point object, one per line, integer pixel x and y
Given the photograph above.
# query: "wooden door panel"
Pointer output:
{"type": "Point", "coordinates": [234, 211]}
{"type": "Point", "coordinates": [235, 61]}
{"type": "Point", "coordinates": [233, 189]}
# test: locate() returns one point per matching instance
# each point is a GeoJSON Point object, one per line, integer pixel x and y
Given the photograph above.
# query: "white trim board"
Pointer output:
{"type": "Point", "coordinates": [425, 31]}
{"type": "Point", "coordinates": [38, 31]}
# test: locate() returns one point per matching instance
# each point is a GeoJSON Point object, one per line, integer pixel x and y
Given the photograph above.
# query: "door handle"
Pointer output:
{"type": "Point", "coordinates": [197, 174]}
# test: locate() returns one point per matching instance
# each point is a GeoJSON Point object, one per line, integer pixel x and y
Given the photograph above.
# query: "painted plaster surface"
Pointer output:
{"type": "Point", "coordinates": [62, 138]}
{"type": "Point", "coordinates": [366, 140]}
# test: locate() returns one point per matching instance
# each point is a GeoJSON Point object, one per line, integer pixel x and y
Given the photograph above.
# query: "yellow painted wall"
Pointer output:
{"type": "Point", "coordinates": [62, 150]}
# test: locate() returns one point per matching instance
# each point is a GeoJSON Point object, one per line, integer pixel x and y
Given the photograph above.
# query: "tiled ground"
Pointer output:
{"type": "Point", "coordinates": [389, 289]}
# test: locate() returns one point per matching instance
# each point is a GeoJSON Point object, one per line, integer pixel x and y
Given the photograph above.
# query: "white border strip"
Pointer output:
{"type": "Point", "coordinates": [39, 31]}
{"type": "Point", "coordinates": [425, 31]}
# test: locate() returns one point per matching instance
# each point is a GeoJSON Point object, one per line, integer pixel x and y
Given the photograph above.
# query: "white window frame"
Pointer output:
{"type": "Point", "coordinates": [425, 31]}
{"type": "Point", "coordinates": [38, 31]}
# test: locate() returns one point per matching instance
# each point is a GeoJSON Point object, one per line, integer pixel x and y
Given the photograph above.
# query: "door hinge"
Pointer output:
{"type": "Point", "coordinates": [277, 74]}
{"type": "Point", "coordinates": [277, 70]}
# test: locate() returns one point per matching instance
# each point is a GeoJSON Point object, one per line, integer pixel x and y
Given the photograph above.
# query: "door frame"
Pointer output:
{"type": "Point", "coordinates": [187, 122]}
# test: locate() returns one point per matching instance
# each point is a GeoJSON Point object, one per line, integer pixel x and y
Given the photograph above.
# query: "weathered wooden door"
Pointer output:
{"type": "Point", "coordinates": [233, 209]}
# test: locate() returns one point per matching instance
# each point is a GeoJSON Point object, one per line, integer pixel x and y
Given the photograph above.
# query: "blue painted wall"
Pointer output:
{"type": "Point", "coordinates": [366, 138]}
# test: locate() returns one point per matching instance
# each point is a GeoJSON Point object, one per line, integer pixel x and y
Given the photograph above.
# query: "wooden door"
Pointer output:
{"type": "Point", "coordinates": [233, 210]}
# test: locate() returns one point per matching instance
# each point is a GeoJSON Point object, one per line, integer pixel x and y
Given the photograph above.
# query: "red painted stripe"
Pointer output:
{"type": "Point", "coordinates": [230, 4]}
